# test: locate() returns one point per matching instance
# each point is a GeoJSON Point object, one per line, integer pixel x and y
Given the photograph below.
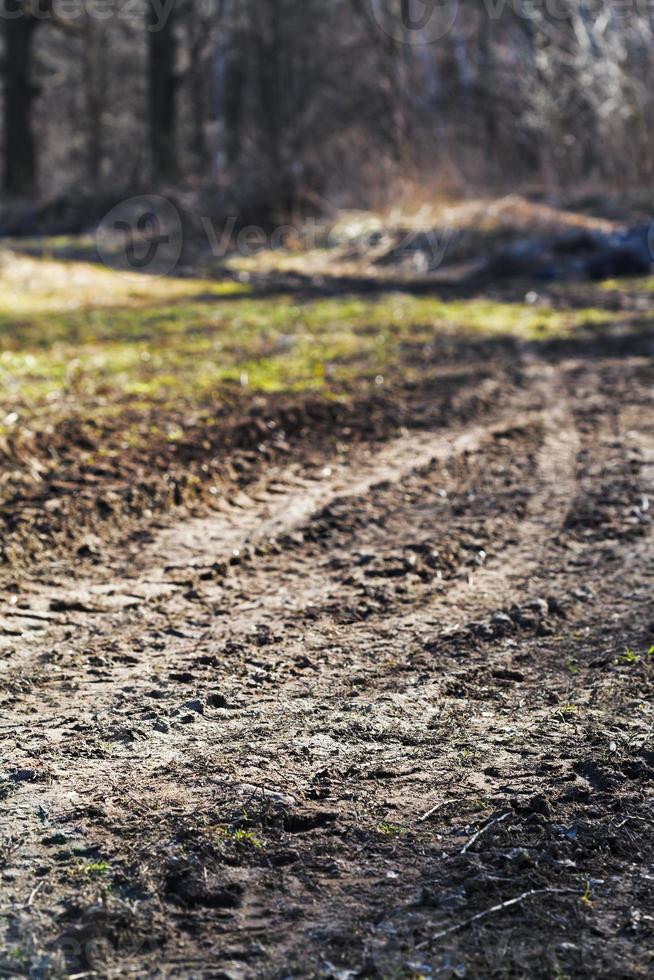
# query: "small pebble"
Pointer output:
{"type": "Point", "coordinates": [195, 705]}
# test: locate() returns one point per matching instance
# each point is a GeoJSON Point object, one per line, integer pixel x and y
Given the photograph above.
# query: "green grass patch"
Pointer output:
{"type": "Point", "coordinates": [82, 340]}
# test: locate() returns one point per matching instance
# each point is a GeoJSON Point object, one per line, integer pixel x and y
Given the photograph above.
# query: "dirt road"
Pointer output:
{"type": "Point", "coordinates": [385, 712]}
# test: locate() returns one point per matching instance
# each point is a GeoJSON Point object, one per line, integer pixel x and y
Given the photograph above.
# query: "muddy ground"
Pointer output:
{"type": "Point", "coordinates": [380, 706]}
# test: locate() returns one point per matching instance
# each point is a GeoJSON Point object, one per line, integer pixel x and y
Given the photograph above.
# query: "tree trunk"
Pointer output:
{"type": "Point", "coordinates": [162, 95]}
{"type": "Point", "coordinates": [19, 147]}
{"type": "Point", "coordinates": [198, 87]}
{"type": "Point", "coordinates": [94, 60]}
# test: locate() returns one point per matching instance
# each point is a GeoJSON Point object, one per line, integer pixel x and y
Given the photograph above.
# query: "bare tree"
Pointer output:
{"type": "Point", "coordinates": [162, 87]}
{"type": "Point", "coordinates": [280, 104]}
{"type": "Point", "coordinates": [19, 92]}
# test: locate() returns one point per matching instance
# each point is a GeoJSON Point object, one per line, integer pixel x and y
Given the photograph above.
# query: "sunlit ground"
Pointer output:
{"type": "Point", "coordinates": [82, 339]}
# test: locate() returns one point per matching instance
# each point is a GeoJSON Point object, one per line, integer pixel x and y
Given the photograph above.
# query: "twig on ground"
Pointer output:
{"type": "Point", "coordinates": [439, 806]}
{"type": "Point", "coordinates": [35, 891]}
{"type": "Point", "coordinates": [492, 823]}
{"type": "Point", "coordinates": [500, 908]}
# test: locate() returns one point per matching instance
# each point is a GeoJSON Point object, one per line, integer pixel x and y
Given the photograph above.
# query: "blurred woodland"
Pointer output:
{"type": "Point", "coordinates": [277, 107]}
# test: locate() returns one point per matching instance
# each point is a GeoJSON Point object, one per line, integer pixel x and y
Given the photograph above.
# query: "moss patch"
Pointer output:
{"type": "Point", "coordinates": [83, 341]}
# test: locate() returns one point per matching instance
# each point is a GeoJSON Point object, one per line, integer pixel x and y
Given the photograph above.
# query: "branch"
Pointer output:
{"type": "Point", "coordinates": [500, 908]}
{"type": "Point", "coordinates": [483, 830]}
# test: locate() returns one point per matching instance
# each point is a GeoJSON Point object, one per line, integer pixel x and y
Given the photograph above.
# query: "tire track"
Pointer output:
{"type": "Point", "coordinates": [172, 707]}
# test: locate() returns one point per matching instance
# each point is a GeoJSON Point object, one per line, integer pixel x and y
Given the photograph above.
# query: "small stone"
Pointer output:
{"type": "Point", "coordinates": [90, 546]}
{"type": "Point", "coordinates": [217, 701]}
{"type": "Point", "coordinates": [539, 606]}
{"type": "Point", "coordinates": [24, 776]}
{"type": "Point", "coordinates": [506, 674]}
{"type": "Point", "coordinates": [555, 607]}
{"type": "Point", "coordinates": [539, 804]}
{"type": "Point", "coordinates": [54, 840]}
{"type": "Point", "coordinates": [501, 622]}
{"type": "Point", "coordinates": [195, 705]}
